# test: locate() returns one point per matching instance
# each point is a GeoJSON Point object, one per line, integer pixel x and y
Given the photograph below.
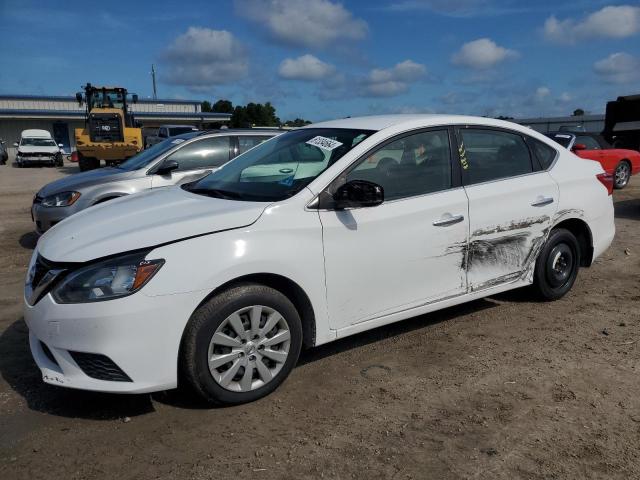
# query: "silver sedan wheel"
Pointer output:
{"type": "Point", "coordinates": [249, 348]}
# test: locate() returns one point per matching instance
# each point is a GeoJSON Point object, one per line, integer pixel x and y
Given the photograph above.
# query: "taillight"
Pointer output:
{"type": "Point", "coordinates": [606, 179]}
{"type": "Point", "coordinates": [74, 156]}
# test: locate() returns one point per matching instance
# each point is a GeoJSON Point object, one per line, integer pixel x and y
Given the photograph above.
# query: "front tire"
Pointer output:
{"type": "Point", "coordinates": [622, 175]}
{"type": "Point", "coordinates": [557, 265]}
{"type": "Point", "coordinates": [241, 344]}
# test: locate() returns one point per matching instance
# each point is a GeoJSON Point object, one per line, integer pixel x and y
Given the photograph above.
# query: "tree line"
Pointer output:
{"type": "Point", "coordinates": [251, 115]}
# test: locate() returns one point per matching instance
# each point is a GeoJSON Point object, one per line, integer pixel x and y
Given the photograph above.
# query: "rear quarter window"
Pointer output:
{"type": "Point", "coordinates": [543, 152]}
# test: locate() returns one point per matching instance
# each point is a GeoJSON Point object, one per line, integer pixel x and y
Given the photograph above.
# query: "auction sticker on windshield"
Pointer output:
{"type": "Point", "coordinates": [324, 143]}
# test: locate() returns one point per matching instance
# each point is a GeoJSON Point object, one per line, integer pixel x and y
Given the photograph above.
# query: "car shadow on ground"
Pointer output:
{"type": "Point", "coordinates": [69, 169]}
{"type": "Point", "coordinates": [21, 373]}
{"type": "Point", "coordinates": [29, 240]}
{"type": "Point", "coordinates": [23, 376]}
{"type": "Point", "coordinates": [629, 209]}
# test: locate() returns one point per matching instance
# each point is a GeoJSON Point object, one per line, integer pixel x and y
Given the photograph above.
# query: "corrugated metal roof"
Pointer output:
{"type": "Point", "coordinates": [29, 113]}
{"type": "Point", "coordinates": [73, 99]}
{"type": "Point", "coordinates": [576, 119]}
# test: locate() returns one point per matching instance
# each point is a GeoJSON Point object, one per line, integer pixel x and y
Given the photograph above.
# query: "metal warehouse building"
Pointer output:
{"type": "Point", "coordinates": [590, 123]}
{"type": "Point", "coordinates": [62, 115]}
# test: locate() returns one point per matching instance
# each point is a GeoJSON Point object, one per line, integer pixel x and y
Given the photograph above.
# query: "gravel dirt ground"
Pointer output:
{"type": "Point", "coordinates": [500, 388]}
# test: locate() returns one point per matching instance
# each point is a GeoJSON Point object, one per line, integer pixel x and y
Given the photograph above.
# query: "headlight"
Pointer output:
{"type": "Point", "coordinates": [113, 278]}
{"type": "Point", "coordinates": [63, 199]}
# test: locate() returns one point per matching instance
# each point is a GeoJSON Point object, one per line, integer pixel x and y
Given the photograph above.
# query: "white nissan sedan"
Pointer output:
{"type": "Point", "coordinates": [314, 235]}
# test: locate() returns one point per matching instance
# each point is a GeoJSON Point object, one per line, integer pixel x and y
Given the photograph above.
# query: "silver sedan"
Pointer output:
{"type": "Point", "coordinates": [177, 160]}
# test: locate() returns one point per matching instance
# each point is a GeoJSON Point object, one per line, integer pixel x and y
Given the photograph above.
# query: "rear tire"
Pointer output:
{"type": "Point", "coordinates": [557, 265]}
{"type": "Point", "coordinates": [622, 175]}
{"type": "Point", "coordinates": [223, 328]}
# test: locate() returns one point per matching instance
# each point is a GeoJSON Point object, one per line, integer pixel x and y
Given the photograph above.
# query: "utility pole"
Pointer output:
{"type": "Point", "coordinates": [153, 77]}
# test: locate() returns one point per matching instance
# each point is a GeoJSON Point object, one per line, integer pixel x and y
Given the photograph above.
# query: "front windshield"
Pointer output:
{"type": "Point", "coordinates": [281, 167]}
{"type": "Point", "coordinates": [38, 142]}
{"type": "Point", "coordinates": [148, 155]}
{"type": "Point", "coordinates": [560, 138]}
{"type": "Point", "coordinates": [106, 99]}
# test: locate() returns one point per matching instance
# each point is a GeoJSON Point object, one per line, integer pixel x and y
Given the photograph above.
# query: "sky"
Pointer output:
{"type": "Point", "coordinates": [323, 59]}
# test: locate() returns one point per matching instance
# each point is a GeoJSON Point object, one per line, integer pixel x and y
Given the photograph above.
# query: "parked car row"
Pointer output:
{"type": "Point", "coordinates": [167, 131]}
{"type": "Point", "coordinates": [621, 163]}
{"type": "Point", "coordinates": [310, 236]}
{"type": "Point", "coordinates": [177, 160]}
{"type": "Point", "coordinates": [38, 147]}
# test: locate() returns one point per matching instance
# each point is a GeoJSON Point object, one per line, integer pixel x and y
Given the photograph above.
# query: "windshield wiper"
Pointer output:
{"type": "Point", "coordinates": [216, 193]}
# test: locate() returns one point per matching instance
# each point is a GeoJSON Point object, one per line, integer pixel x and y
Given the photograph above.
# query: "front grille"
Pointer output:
{"type": "Point", "coordinates": [41, 267]}
{"type": "Point", "coordinates": [99, 367]}
{"type": "Point", "coordinates": [42, 155]}
{"type": "Point", "coordinates": [42, 277]}
{"type": "Point", "coordinates": [48, 353]}
{"type": "Point", "coordinates": [105, 127]}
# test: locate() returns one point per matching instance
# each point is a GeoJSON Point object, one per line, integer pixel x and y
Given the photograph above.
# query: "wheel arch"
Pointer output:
{"type": "Point", "coordinates": [580, 229]}
{"type": "Point", "coordinates": [287, 287]}
{"type": "Point", "coordinates": [110, 196]}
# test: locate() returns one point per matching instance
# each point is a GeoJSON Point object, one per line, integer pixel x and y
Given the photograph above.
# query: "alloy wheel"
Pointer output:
{"type": "Point", "coordinates": [622, 174]}
{"type": "Point", "coordinates": [249, 348]}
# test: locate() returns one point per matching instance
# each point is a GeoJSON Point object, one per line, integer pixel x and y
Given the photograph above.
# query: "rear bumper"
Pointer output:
{"type": "Point", "coordinates": [603, 230]}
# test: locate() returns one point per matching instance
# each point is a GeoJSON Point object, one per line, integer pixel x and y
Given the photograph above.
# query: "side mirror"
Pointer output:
{"type": "Point", "coordinates": [167, 167]}
{"type": "Point", "coordinates": [79, 98]}
{"type": "Point", "coordinates": [134, 98]}
{"type": "Point", "coordinates": [60, 145]}
{"type": "Point", "coordinates": [15, 144]}
{"type": "Point", "coordinates": [579, 146]}
{"type": "Point", "coordinates": [358, 193]}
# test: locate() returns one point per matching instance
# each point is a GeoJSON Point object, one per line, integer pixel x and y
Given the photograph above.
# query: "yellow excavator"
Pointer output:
{"type": "Point", "coordinates": [109, 131]}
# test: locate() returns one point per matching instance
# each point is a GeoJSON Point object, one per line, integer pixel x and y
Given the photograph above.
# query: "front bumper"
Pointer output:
{"type": "Point", "coordinates": [36, 160]}
{"type": "Point", "coordinates": [138, 336]}
{"type": "Point", "coordinates": [47, 217]}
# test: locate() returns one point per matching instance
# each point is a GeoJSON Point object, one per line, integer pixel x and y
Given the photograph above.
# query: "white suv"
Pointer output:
{"type": "Point", "coordinates": [314, 235]}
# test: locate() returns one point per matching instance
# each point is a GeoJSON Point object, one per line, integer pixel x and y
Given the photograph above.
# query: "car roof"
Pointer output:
{"type": "Point", "coordinates": [381, 122]}
{"type": "Point", "coordinates": [35, 133]}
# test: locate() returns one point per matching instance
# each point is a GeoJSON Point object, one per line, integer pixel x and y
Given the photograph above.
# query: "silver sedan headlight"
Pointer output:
{"type": "Point", "coordinates": [107, 280]}
{"type": "Point", "coordinates": [63, 199]}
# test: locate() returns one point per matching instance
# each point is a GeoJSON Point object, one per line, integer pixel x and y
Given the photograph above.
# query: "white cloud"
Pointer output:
{"type": "Point", "coordinates": [201, 58]}
{"type": "Point", "coordinates": [542, 93]}
{"type": "Point", "coordinates": [565, 97]}
{"type": "Point", "coordinates": [482, 54]}
{"type": "Point", "coordinates": [618, 68]}
{"type": "Point", "coordinates": [445, 7]}
{"type": "Point", "coordinates": [610, 22]}
{"type": "Point", "coordinates": [307, 23]}
{"type": "Point", "coordinates": [307, 68]}
{"type": "Point", "coordinates": [394, 81]}
{"type": "Point", "coordinates": [379, 82]}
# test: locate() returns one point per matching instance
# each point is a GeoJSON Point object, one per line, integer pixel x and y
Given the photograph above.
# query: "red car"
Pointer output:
{"type": "Point", "coordinates": [616, 161]}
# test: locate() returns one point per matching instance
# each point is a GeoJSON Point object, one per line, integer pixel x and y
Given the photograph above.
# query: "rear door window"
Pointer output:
{"type": "Point", "coordinates": [247, 142]}
{"type": "Point", "coordinates": [487, 155]}
{"type": "Point", "coordinates": [205, 153]}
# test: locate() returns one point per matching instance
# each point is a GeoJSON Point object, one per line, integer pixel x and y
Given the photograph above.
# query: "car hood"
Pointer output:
{"type": "Point", "coordinates": [78, 181]}
{"type": "Point", "coordinates": [51, 149]}
{"type": "Point", "coordinates": [143, 220]}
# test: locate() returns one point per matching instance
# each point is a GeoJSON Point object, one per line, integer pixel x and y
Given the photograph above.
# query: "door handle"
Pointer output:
{"type": "Point", "coordinates": [542, 201]}
{"type": "Point", "coordinates": [448, 219]}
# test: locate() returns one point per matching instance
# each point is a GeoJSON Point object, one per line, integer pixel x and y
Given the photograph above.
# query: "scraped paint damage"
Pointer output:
{"type": "Point", "coordinates": [518, 250]}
